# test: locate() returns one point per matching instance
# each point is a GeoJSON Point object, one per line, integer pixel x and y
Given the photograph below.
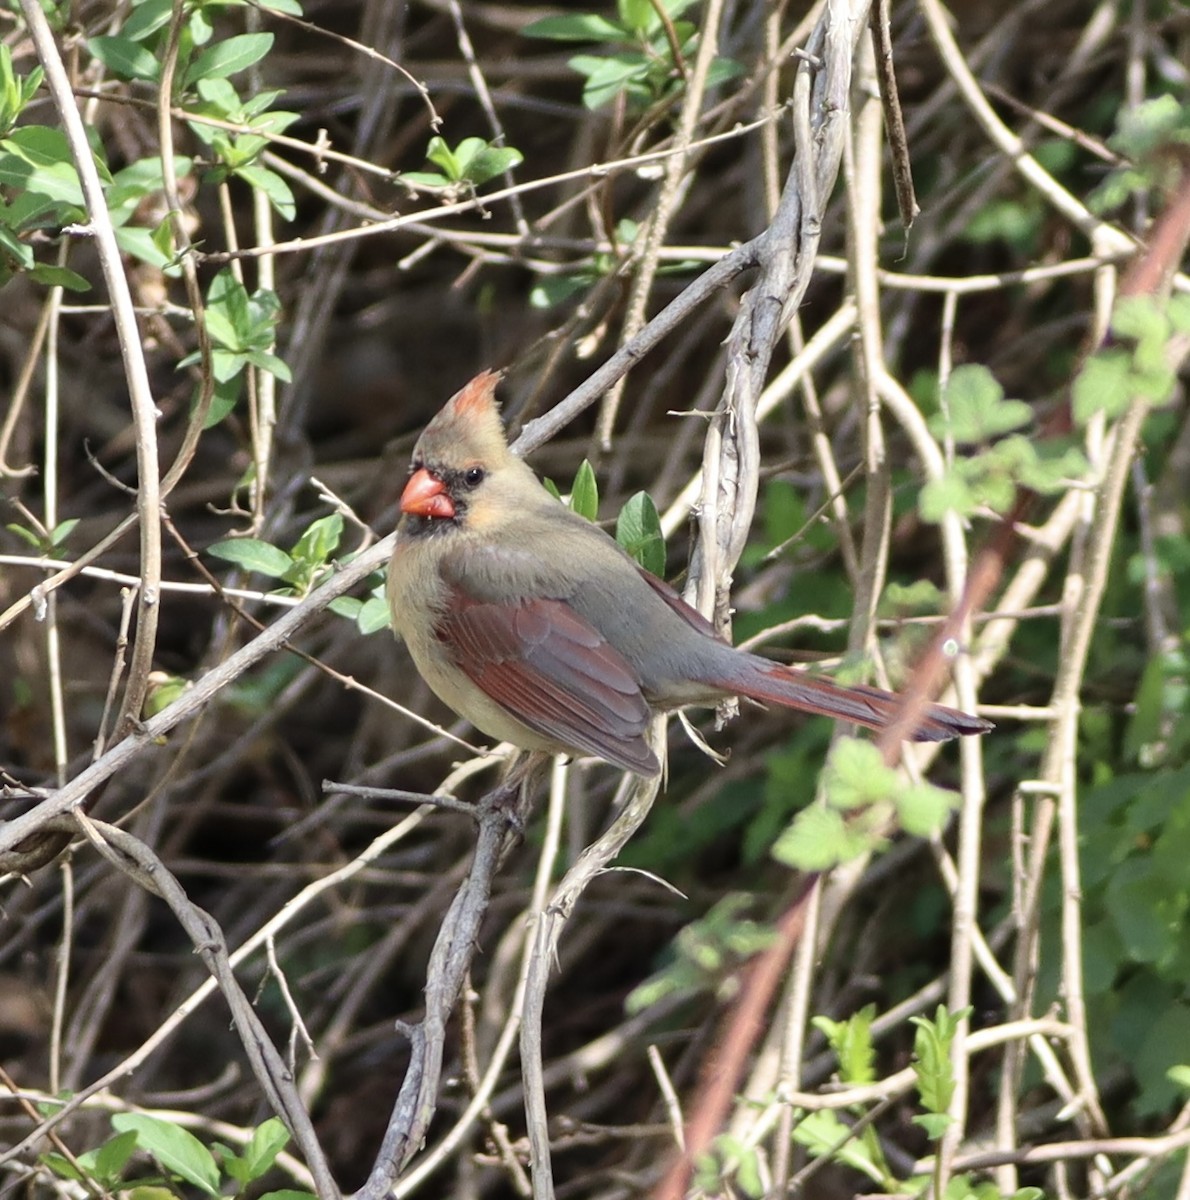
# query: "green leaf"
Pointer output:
{"type": "Point", "coordinates": [577, 27]}
{"type": "Point", "coordinates": [253, 555]}
{"type": "Point", "coordinates": [145, 244]}
{"type": "Point", "coordinates": [268, 1140]}
{"type": "Point", "coordinates": [147, 18]}
{"type": "Point", "coordinates": [270, 363]}
{"type": "Point", "coordinates": [932, 1066]}
{"type": "Point", "coordinates": [1140, 318]}
{"type": "Point", "coordinates": [374, 616]}
{"type": "Point", "coordinates": [1104, 385]}
{"type": "Point", "coordinates": [1178, 310]}
{"type": "Point", "coordinates": [856, 776]}
{"type": "Point", "coordinates": [126, 58]}
{"type": "Point", "coordinates": [974, 409]}
{"type": "Point", "coordinates": [21, 256]}
{"type": "Point", "coordinates": [584, 495]}
{"type": "Point", "coordinates": [106, 1163]}
{"type": "Point", "coordinates": [935, 1124]}
{"type": "Point", "coordinates": [61, 1166]}
{"type": "Point", "coordinates": [425, 179]}
{"type": "Point", "coordinates": [162, 693]}
{"type": "Point", "coordinates": [319, 541]}
{"type": "Point", "coordinates": [491, 161]}
{"type": "Point", "coordinates": [638, 530]}
{"type": "Point", "coordinates": [62, 531]}
{"type": "Point", "coordinates": [227, 299]}
{"type": "Point", "coordinates": [54, 276]}
{"type": "Point", "coordinates": [223, 401]}
{"type": "Point", "coordinates": [441, 155]}
{"type": "Point", "coordinates": [824, 1133]}
{"type": "Point", "coordinates": [26, 535]}
{"type": "Point", "coordinates": [229, 56]}
{"type": "Point", "coordinates": [38, 159]}
{"type": "Point", "coordinates": [279, 193]}
{"type": "Point", "coordinates": [608, 77]}
{"type": "Point", "coordinates": [819, 838]}
{"type": "Point", "coordinates": [143, 177]}
{"type": "Point", "coordinates": [924, 809]}
{"type": "Point", "coordinates": [552, 290]}
{"type": "Point", "coordinates": [851, 1040]}
{"type": "Point", "coordinates": [226, 365]}
{"type": "Point", "coordinates": [174, 1148]}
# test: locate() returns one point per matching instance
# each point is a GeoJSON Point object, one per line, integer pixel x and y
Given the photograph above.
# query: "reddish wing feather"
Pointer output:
{"type": "Point", "coordinates": [554, 673]}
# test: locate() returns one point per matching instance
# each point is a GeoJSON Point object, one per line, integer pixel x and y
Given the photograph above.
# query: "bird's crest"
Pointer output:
{"type": "Point", "coordinates": [470, 419]}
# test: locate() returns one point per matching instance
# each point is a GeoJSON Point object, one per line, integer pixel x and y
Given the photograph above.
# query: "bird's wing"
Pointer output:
{"type": "Point", "coordinates": [687, 612]}
{"type": "Point", "coordinates": [545, 665]}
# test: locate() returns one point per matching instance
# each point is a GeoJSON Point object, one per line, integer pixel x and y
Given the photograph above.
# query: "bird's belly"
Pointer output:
{"type": "Point", "coordinates": [459, 693]}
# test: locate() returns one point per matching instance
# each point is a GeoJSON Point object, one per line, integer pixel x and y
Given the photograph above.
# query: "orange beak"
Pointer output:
{"type": "Point", "coordinates": [425, 495]}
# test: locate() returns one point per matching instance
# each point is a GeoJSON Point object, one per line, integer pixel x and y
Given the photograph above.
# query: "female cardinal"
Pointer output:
{"type": "Point", "coordinates": [537, 627]}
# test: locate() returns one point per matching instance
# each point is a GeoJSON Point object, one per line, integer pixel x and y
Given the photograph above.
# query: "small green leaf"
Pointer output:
{"type": "Point", "coordinates": [26, 535]}
{"type": "Point", "coordinates": [425, 179]}
{"type": "Point", "coordinates": [638, 530]}
{"type": "Point", "coordinates": [253, 555]}
{"type": "Point", "coordinates": [374, 616]}
{"type": "Point", "coordinates": [62, 531]}
{"type": "Point", "coordinates": [268, 1140]}
{"type": "Point", "coordinates": [265, 361]}
{"type": "Point", "coordinates": [441, 155]}
{"type": "Point", "coordinates": [279, 193]}
{"type": "Point", "coordinates": [924, 809]}
{"type": "Point", "coordinates": [608, 76]}
{"type": "Point", "coordinates": [578, 27]}
{"type": "Point", "coordinates": [856, 776]}
{"type": "Point", "coordinates": [584, 495]}
{"type": "Point", "coordinates": [38, 159]}
{"type": "Point", "coordinates": [162, 693]}
{"type": "Point", "coordinates": [319, 541]}
{"type": "Point", "coordinates": [107, 1162]}
{"type": "Point", "coordinates": [851, 1040]}
{"type": "Point", "coordinates": [147, 18]}
{"type": "Point", "coordinates": [819, 838]}
{"type": "Point", "coordinates": [226, 58]}
{"type": "Point", "coordinates": [486, 162]}
{"type": "Point", "coordinates": [974, 409]}
{"type": "Point", "coordinates": [1104, 385]}
{"type": "Point", "coordinates": [346, 606]}
{"type": "Point", "coordinates": [551, 487]}
{"type": "Point", "coordinates": [935, 1124]}
{"type": "Point", "coordinates": [54, 276]}
{"type": "Point", "coordinates": [126, 58]}
{"type": "Point", "coordinates": [1178, 310]}
{"type": "Point", "coordinates": [61, 1166]}
{"type": "Point", "coordinates": [223, 401]}
{"type": "Point", "coordinates": [932, 1066]}
{"type": "Point", "coordinates": [824, 1133]}
{"type": "Point", "coordinates": [174, 1148]}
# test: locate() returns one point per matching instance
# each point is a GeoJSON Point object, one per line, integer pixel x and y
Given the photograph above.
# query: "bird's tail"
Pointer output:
{"type": "Point", "coordinates": [772, 683]}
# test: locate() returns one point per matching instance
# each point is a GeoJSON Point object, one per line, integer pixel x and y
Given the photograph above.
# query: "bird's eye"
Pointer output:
{"type": "Point", "coordinates": [473, 476]}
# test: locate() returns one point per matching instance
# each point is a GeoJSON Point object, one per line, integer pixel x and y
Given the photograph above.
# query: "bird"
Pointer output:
{"type": "Point", "coordinates": [534, 625]}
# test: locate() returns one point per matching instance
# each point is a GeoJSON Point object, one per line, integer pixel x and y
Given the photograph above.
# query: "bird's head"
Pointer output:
{"type": "Point", "coordinates": [460, 461]}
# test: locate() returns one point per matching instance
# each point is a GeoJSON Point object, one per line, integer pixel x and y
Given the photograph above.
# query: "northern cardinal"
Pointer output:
{"type": "Point", "coordinates": [534, 625]}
